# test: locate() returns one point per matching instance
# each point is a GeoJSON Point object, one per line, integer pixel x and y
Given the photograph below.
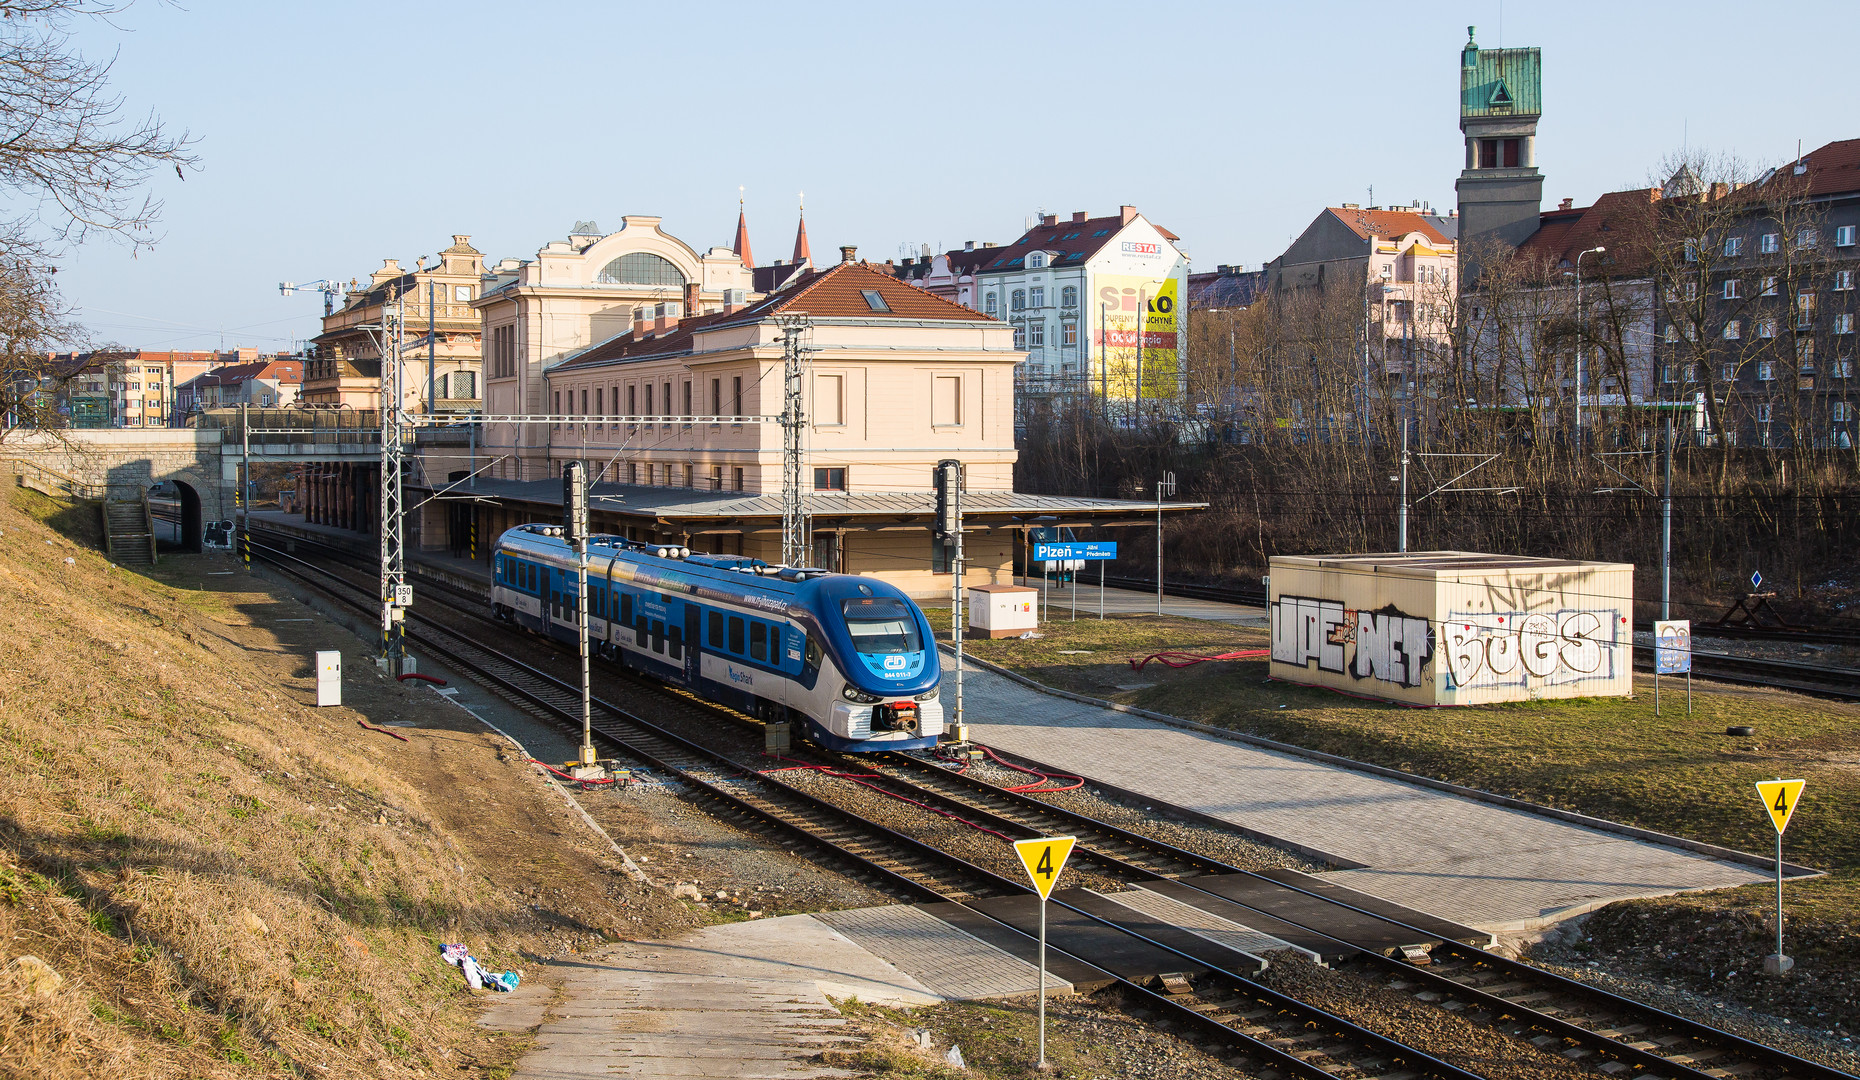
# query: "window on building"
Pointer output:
{"type": "Point", "coordinates": [1036, 260]}
{"type": "Point", "coordinates": [1763, 412]}
{"type": "Point", "coordinates": [829, 400]}
{"type": "Point", "coordinates": [641, 268]}
{"type": "Point", "coordinates": [1733, 288]}
{"type": "Point", "coordinates": [873, 300]}
{"type": "Point", "coordinates": [1672, 332]}
{"type": "Point", "coordinates": [1770, 243]}
{"type": "Point", "coordinates": [599, 408]}
{"type": "Point", "coordinates": [665, 399]}
{"type": "Point", "coordinates": [1728, 372]}
{"type": "Point", "coordinates": [1692, 373]}
{"type": "Point", "coordinates": [1666, 374]}
{"type": "Point", "coordinates": [1692, 290]}
{"type": "Point", "coordinates": [648, 411]}
{"type": "Point", "coordinates": [1844, 236]}
{"type": "Point", "coordinates": [632, 474]}
{"type": "Point", "coordinates": [1069, 296]}
{"type": "Point", "coordinates": [1514, 152]}
{"type": "Point", "coordinates": [1766, 371]}
{"type": "Point", "coordinates": [1840, 411]}
{"type": "Point", "coordinates": [736, 479]}
{"type": "Point", "coordinates": [584, 401]}
{"type": "Point", "coordinates": [1069, 335]}
{"type": "Point", "coordinates": [1036, 296]}
{"type": "Point", "coordinates": [946, 401]}
{"type": "Point", "coordinates": [1020, 336]}
{"type": "Point", "coordinates": [736, 398]}
{"type": "Point", "coordinates": [690, 475]}
{"type": "Point", "coordinates": [1804, 310]}
{"type": "Point", "coordinates": [1733, 246]}
{"type": "Point", "coordinates": [1769, 287]}
{"type": "Point", "coordinates": [1018, 301]}
{"type": "Point", "coordinates": [988, 304]}
{"type": "Point", "coordinates": [716, 397]}
{"type": "Point", "coordinates": [1844, 323]}
{"type": "Point", "coordinates": [1766, 328]}
{"type": "Point", "coordinates": [833, 479]}
{"type": "Point", "coordinates": [558, 404]}
{"type": "Point", "coordinates": [1733, 329]}
{"type": "Point", "coordinates": [1488, 153]}
{"type": "Point", "coordinates": [1842, 368]}
{"type": "Point", "coordinates": [1807, 238]}
{"type": "Point", "coordinates": [1692, 251]}
{"type": "Point", "coordinates": [1843, 280]}
{"type": "Point", "coordinates": [1805, 354]}
{"type": "Point", "coordinates": [1036, 334]}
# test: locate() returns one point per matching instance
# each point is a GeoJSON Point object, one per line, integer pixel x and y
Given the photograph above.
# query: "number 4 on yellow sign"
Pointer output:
{"type": "Point", "coordinates": [1044, 857]}
{"type": "Point", "coordinates": [1780, 798]}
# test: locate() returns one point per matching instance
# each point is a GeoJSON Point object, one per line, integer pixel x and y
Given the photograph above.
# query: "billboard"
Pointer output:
{"type": "Point", "coordinates": [1139, 325]}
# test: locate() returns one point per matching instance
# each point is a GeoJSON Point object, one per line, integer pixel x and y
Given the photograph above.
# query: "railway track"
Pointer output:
{"type": "Point", "coordinates": [1553, 1012]}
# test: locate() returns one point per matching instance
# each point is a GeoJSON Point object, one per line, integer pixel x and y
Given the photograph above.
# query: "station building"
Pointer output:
{"type": "Point", "coordinates": [671, 404]}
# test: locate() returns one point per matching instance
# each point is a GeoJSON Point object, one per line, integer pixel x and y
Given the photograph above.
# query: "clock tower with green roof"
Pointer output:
{"type": "Point", "coordinates": [1500, 190]}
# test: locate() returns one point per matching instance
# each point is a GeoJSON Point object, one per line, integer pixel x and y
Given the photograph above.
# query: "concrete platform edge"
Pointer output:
{"type": "Point", "coordinates": [1635, 832]}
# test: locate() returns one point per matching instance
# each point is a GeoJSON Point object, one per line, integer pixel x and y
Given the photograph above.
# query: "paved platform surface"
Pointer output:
{"type": "Point", "coordinates": [942, 957]}
{"type": "Point", "coordinates": [1492, 867]}
{"type": "Point", "coordinates": [1221, 931]}
{"type": "Point", "coordinates": [741, 1000]}
{"type": "Point", "coordinates": [1127, 601]}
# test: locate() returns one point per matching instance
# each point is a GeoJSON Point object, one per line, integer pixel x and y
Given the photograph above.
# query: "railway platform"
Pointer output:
{"type": "Point", "coordinates": [1500, 869]}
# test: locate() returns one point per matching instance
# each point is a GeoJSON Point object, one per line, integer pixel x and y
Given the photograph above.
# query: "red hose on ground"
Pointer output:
{"type": "Point", "coordinates": [423, 678]}
{"type": "Point", "coordinates": [382, 730]}
{"type": "Point", "coordinates": [1034, 787]}
{"type": "Point", "coordinates": [861, 778]}
{"type": "Point", "coordinates": [1181, 659]}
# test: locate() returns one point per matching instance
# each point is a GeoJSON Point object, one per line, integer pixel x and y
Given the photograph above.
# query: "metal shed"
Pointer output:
{"type": "Point", "coordinates": [1453, 627]}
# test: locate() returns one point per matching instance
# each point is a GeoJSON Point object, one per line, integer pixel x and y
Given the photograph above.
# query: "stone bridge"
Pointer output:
{"type": "Point", "coordinates": [202, 463]}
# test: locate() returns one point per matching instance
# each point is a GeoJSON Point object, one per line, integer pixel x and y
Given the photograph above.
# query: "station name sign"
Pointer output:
{"type": "Point", "coordinates": [1082, 549]}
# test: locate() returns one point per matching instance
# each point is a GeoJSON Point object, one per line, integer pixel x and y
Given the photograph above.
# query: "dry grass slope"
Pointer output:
{"type": "Point", "coordinates": [214, 885]}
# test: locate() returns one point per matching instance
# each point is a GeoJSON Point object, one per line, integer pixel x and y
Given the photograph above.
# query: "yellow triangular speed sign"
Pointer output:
{"type": "Point", "coordinates": [1044, 857]}
{"type": "Point", "coordinates": [1780, 798]}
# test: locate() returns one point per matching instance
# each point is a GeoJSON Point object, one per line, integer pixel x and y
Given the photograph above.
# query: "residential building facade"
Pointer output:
{"type": "Point", "coordinates": [137, 388]}
{"type": "Point", "coordinates": [440, 336]}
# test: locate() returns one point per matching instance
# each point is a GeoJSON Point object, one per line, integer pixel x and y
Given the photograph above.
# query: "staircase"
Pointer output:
{"type": "Point", "coordinates": [129, 532]}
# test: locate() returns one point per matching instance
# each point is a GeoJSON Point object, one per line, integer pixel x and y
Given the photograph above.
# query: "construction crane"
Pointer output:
{"type": "Point", "coordinates": [330, 290]}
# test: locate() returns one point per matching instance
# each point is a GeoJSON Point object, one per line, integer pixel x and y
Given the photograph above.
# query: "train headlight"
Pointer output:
{"type": "Point", "coordinates": [927, 695]}
{"type": "Point", "coordinates": [860, 697]}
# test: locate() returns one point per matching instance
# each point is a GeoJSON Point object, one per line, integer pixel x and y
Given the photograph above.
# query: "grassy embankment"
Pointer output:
{"type": "Point", "coordinates": [1610, 757]}
{"type": "Point", "coordinates": [209, 880]}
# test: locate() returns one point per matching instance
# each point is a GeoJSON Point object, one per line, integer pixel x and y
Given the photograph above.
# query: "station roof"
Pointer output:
{"type": "Point", "coordinates": [1436, 562]}
{"type": "Point", "coordinates": [705, 511]}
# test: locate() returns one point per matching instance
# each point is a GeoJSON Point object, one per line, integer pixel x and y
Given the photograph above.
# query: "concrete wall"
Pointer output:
{"type": "Point", "coordinates": [1431, 628]}
{"type": "Point", "coordinates": [128, 461]}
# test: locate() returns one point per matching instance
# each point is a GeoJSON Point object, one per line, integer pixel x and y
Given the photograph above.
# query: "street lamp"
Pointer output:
{"type": "Point", "coordinates": [1580, 335]}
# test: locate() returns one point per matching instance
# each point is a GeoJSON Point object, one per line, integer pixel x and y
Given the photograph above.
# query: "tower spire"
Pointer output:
{"type": "Point", "coordinates": [801, 253]}
{"type": "Point", "coordinates": [741, 248]}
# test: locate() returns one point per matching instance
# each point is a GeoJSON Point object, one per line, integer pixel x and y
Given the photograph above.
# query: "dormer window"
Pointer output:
{"type": "Point", "coordinates": [1036, 260]}
{"type": "Point", "coordinates": [1501, 97]}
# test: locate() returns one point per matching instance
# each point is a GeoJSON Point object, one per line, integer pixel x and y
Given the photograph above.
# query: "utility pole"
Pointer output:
{"type": "Point", "coordinates": [432, 351]}
{"type": "Point", "coordinates": [1581, 338]}
{"type": "Point", "coordinates": [1666, 535]}
{"type": "Point", "coordinates": [947, 528]}
{"type": "Point", "coordinates": [793, 420]}
{"type": "Point", "coordinates": [396, 594]}
{"type": "Point", "coordinates": [575, 531]}
{"type": "Point", "coordinates": [1164, 486]}
{"type": "Point", "coordinates": [1407, 400]}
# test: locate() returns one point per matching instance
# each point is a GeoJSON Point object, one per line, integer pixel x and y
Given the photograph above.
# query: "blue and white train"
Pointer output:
{"type": "Point", "coordinates": [848, 659]}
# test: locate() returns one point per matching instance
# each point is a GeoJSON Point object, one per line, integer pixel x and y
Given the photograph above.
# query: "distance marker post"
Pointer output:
{"type": "Point", "coordinates": [1780, 798]}
{"type": "Point", "coordinates": [1044, 857]}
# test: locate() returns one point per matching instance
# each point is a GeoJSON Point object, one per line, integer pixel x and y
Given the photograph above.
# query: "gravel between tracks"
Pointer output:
{"type": "Point", "coordinates": [1367, 999]}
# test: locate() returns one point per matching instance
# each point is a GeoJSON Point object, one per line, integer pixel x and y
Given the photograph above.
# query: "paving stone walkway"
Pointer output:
{"type": "Point", "coordinates": [1489, 866]}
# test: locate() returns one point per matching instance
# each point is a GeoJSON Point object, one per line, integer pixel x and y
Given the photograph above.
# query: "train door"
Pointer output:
{"type": "Point", "coordinates": [690, 639]}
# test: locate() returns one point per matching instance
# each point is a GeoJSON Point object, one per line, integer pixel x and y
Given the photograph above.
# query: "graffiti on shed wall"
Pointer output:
{"type": "Point", "coordinates": [1490, 649]}
{"type": "Point", "coordinates": [1390, 645]}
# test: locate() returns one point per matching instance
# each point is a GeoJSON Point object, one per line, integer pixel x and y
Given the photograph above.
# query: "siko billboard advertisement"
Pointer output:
{"type": "Point", "coordinates": [1138, 331]}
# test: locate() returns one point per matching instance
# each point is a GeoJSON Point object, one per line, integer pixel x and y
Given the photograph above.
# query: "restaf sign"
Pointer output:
{"type": "Point", "coordinates": [1044, 857]}
{"type": "Point", "coordinates": [1780, 798]}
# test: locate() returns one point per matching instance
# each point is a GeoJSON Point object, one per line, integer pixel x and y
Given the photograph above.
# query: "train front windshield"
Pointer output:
{"type": "Point", "coordinates": [881, 626]}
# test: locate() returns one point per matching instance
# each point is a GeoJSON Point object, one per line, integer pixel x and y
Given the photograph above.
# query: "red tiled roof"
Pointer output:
{"type": "Point", "coordinates": [834, 293]}
{"type": "Point", "coordinates": [1833, 169]}
{"type": "Point", "coordinates": [1389, 223]}
{"type": "Point", "coordinates": [1615, 221]}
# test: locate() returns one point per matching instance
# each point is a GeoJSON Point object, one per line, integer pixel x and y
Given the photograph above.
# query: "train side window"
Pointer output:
{"type": "Point", "coordinates": [736, 635]}
{"type": "Point", "coordinates": [626, 608]}
{"type": "Point", "coordinates": [758, 641]}
{"type": "Point", "coordinates": [716, 629]}
{"type": "Point", "coordinates": [658, 636]}
{"type": "Point", "coordinates": [675, 639]}
{"type": "Point", "coordinates": [813, 652]}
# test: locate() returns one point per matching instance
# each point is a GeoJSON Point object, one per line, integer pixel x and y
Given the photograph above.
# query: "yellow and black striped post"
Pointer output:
{"type": "Point", "coordinates": [474, 534]}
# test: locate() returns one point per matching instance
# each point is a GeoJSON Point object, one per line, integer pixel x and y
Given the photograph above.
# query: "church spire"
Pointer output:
{"type": "Point", "coordinates": [801, 254]}
{"type": "Point", "coordinates": [741, 248]}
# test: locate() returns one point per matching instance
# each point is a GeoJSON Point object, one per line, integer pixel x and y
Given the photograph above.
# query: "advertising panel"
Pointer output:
{"type": "Point", "coordinates": [1138, 327]}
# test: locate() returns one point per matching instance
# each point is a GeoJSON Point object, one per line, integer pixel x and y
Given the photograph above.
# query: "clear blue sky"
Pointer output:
{"type": "Point", "coordinates": [332, 135]}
